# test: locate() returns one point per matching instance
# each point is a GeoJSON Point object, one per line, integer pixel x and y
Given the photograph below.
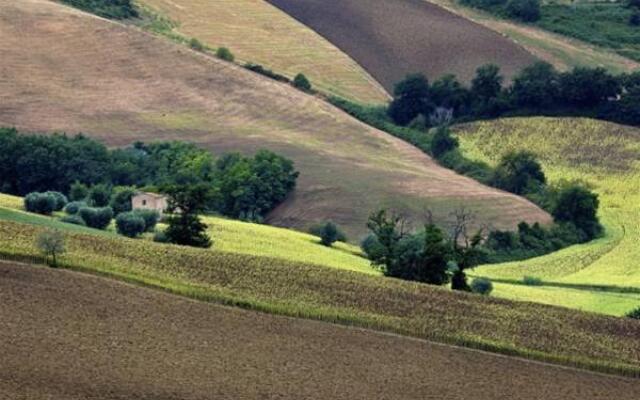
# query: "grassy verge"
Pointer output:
{"type": "Point", "coordinates": [304, 290]}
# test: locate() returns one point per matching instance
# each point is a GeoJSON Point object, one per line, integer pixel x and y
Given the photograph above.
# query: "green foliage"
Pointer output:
{"type": "Point", "coordinates": [487, 83]}
{"type": "Point", "coordinates": [225, 54]}
{"type": "Point", "coordinates": [196, 45]}
{"type": "Point", "coordinates": [184, 225]}
{"type": "Point", "coordinates": [635, 314]}
{"type": "Point", "coordinates": [257, 68]}
{"type": "Point", "coordinates": [411, 98]}
{"type": "Point", "coordinates": [442, 142]}
{"type": "Point", "coordinates": [519, 173]}
{"type": "Point", "coordinates": [97, 218]}
{"type": "Point", "coordinates": [447, 92]}
{"type": "Point", "coordinates": [536, 86]}
{"type": "Point", "coordinates": [51, 244]}
{"type": "Point", "coordinates": [318, 230]}
{"type": "Point", "coordinates": [130, 224]}
{"type": "Point", "coordinates": [121, 199]}
{"type": "Point", "coordinates": [73, 219]}
{"type": "Point", "coordinates": [328, 234]}
{"type": "Point", "coordinates": [588, 87]}
{"type": "Point", "coordinates": [532, 281]}
{"type": "Point", "coordinates": [579, 206]}
{"type": "Point", "coordinates": [150, 218]}
{"type": "Point", "coordinates": [114, 9]}
{"type": "Point", "coordinates": [481, 286]}
{"type": "Point", "coordinates": [99, 195]}
{"type": "Point", "coordinates": [524, 10]}
{"type": "Point", "coordinates": [78, 191]}
{"type": "Point", "coordinates": [40, 203]}
{"type": "Point", "coordinates": [160, 237]}
{"type": "Point", "coordinates": [301, 82]}
{"type": "Point", "coordinates": [73, 207]}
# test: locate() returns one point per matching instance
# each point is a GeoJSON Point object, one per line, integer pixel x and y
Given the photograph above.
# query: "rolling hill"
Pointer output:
{"type": "Point", "coordinates": [73, 336]}
{"type": "Point", "coordinates": [257, 32]}
{"type": "Point", "coordinates": [602, 275]}
{"type": "Point", "coordinates": [65, 70]}
{"type": "Point", "coordinates": [391, 39]}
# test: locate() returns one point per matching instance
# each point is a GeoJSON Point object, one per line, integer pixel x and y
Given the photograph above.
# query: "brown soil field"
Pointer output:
{"type": "Point", "coordinates": [64, 70]}
{"type": "Point", "coordinates": [65, 335]}
{"type": "Point", "coordinates": [391, 39]}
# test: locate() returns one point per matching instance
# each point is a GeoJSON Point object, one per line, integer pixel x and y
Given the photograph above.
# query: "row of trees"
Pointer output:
{"type": "Point", "coordinates": [523, 10]}
{"type": "Point", "coordinates": [537, 89]}
{"type": "Point", "coordinates": [242, 187]}
{"type": "Point", "coordinates": [114, 9]}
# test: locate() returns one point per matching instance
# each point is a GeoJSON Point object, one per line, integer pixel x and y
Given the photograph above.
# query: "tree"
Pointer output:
{"type": "Point", "coordinates": [99, 195]}
{"type": "Point", "coordinates": [60, 200]}
{"type": "Point", "coordinates": [97, 218]}
{"type": "Point", "coordinates": [40, 203]}
{"type": "Point", "coordinates": [150, 218]}
{"type": "Point", "coordinates": [482, 286]}
{"type": "Point", "coordinates": [121, 199]}
{"type": "Point", "coordinates": [588, 87]}
{"type": "Point", "coordinates": [448, 92]}
{"type": "Point", "coordinates": [635, 314]}
{"type": "Point", "coordinates": [579, 206]}
{"type": "Point", "coordinates": [78, 192]}
{"type": "Point", "coordinates": [466, 249]}
{"type": "Point", "coordinates": [487, 83]}
{"type": "Point", "coordinates": [411, 98]}
{"type": "Point", "coordinates": [225, 54]}
{"type": "Point", "coordinates": [524, 10]}
{"type": "Point", "coordinates": [442, 142]}
{"type": "Point", "coordinates": [51, 244]}
{"type": "Point", "coordinates": [196, 45]}
{"type": "Point", "coordinates": [328, 234]}
{"type": "Point", "coordinates": [185, 227]}
{"type": "Point", "coordinates": [130, 224]}
{"type": "Point", "coordinates": [519, 173]}
{"type": "Point", "coordinates": [388, 229]}
{"type": "Point", "coordinates": [536, 86]}
{"type": "Point", "coordinates": [301, 82]}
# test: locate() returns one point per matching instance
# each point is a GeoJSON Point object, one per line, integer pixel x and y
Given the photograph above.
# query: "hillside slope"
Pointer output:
{"type": "Point", "coordinates": [604, 155]}
{"type": "Point", "coordinates": [257, 32]}
{"type": "Point", "coordinates": [142, 344]}
{"type": "Point", "coordinates": [391, 39]}
{"type": "Point", "coordinates": [64, 70]}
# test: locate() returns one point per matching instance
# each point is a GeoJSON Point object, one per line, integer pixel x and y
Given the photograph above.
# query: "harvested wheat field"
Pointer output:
{"type": "Point", "coordinates": [64, 70]}
{"type": "Point", "coordinates": [258, 32]}
{"type": "Point", "coordinates": [72, 336]}
{"type": "Point", "coordinates": [391, 39]}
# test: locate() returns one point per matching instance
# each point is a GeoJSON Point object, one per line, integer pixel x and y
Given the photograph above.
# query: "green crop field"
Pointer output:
{"type": "Point", "coordinates": [603, 275]}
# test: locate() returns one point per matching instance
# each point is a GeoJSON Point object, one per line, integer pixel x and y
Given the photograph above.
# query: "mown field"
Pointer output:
{"type": "Point", "coordinates": [259, 33]}
{"type": "Point", "coordinates": [115, 341]}
{"type": "Point", "coordinates": [64, 70]}
{"type": "Point", "coordinates": [314, 291]}
{"type": "Point", "coordinates": [228, 236]}
{"type": "Point", "coordinates": [391, 39]}
{"type": "Point", "coordinates": [563, 52]}
{"type": "Point", "coordinates": [606, 156]}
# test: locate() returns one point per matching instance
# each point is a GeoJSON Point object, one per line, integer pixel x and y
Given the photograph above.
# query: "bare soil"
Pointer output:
{"type": "Point", "coordinates": [64, 70]}
{"type": "Point", "coordinates": [391, 39]}
{"type": "Point", "coordinates": [65, 335]}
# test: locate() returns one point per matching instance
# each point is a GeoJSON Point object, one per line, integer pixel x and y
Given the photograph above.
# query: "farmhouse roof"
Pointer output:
{"type": "Point", "coordinates": [150, 194]}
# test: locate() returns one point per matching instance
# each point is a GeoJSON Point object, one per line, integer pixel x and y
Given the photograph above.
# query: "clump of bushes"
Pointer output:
{"type": "Point", "coordinates": [114, 9]}
{"type": "Point", "coordinates": [97, 218]}
{"type": "Point", "coordinates": [532, 281]}
{"type": "Point", "coordinates": [301, 82]}
{"type": "Point", "coordinates": [482, 286]}
{"type": "Point", "coordinates": [635, 314]}
{"type": "Point", "coordinates": [73, 219]}
{"type": "Point", "coordinates": [196, 45]}
{"type": "Point", "coordinates": [257, 68]}
{"type": "Point", "coordinates": [225, 54]}
{"type": "Point", "coordinates": [44, 203]}
{"type": "Point", "coordinates": [328, 232]}
{"type": "Point", "coordinates": [73, 207]}
{"type": "Point", "coordinates": [130, 224]}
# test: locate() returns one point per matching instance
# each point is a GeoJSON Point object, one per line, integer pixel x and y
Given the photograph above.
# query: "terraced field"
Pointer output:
{"type": "Point", "coordinates": [391, 39]}
{"type": "Point", "coordinates": [257, 32]}
{"type": "Point", "coordinates": [607, 157]}
{"type": "Point", "coordinates": [64, 70]}
{"type": "Point", "coordinates": [144, 344]}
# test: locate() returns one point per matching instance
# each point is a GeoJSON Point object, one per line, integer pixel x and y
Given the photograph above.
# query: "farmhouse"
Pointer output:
{"type": "Point", "coordinates": [149, 201]}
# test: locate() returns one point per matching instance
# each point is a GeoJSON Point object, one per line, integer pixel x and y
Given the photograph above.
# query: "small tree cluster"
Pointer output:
{"type": "Point", "coordinates": [97, 218]}
{"type": "Point", "coordinates": [45, 203]}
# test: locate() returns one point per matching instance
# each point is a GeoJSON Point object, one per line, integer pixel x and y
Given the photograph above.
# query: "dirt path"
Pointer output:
{"type": "Point", "coordinates": [65, 335]}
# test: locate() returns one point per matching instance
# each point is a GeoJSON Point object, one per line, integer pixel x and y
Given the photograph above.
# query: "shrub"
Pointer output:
{"type": "Point", "coordinates": [78, 191]}
{"type": "Point", "coordinates": [150, 218]}
{"type": "Point", "coordinates": [61, 200]}
{"type": "Point", "coordinates": [301, 82]}
{"type": "Point", "coordinates": [519, 173]}
{"type": "Point", "coordinates": [73, 219]}
{"type": "Point", "coordinates": [482, 286]}
{"type": "Point", "coordinates": [579, 206]}
{"type": "Point", "coordinates": [160, 237]}
{"type": "Point", "coordinates": [196, 45]}
{"type": "Point", "coordinates": [225, 54]}
{"type": "Point", "coordinates": [121, 200]}
{"type": "Point", "coordinates": [371, 247]}
{"type": "Point", "coordinates": [317, 230]}
{"type": "Point", "coordinates": [328, 234]}
{"type": "Point", "coordinates": [532, 281]}
{"type": "Point", "coordinates": [130, 224]}
{"type": "Point", "coordinates": [99, 196]}
{"type": "Point", "coordinates": [634, 19]}
{"type": "Point", "coordinates": [97, 218]}
{"type": "Point", "coordinates": [40, 203]}
{"type": "Point", "coordinates": [75, 206]}
{"type": "Point", "coordinates": [257, 68]}
{"type": "Point", "coordinates": [524, 10]}
{"type": "Point", "coordinates": [442, 142]}
{"type": "Point", "coordinates": [635, 314]}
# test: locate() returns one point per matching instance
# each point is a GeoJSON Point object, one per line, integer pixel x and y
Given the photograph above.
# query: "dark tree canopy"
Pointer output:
{"type": "Point", "coordinates": [536, 86]}
{"type": "Point", "coordinates": [519, 173]}
{"type": "Point", "coordinates": [411, 98]}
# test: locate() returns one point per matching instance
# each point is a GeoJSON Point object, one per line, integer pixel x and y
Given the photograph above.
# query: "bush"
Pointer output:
{"type": "Point", "coordinates": [411, 98]}
{"type": "Point", "coordinates": [225, 54]}
{"type": "Point", "coordinates": [61, 200]}
{"type": "Point", "coordinates": [519, 173]}
{"type": "Point", "coordinates": [160, 237]}
{"type": "Point", "coordinates": [257, 68]}
{"type": "Point", "coordinates": [317, 230]}
{"type": "Point", "coordinates": [73, 219]}
{"type": "Point", "coordinates": [579, 206]}
{"type": "Point", "coordinates": [40, 203]}
{"type": "Point", "coordinates": [442, 142]}
{"type": "Point", "coordinates": [130, 224]}
{"type": "Point", "coordinates": [196, 45]}
{"type": "Point", "coordinates": [482, 286]}
{"type": "Point", "coordinates": [635, 314]}
{"type": "Point", "coordinates": [99, 196]}
{"type": "Point", "coordinates": [97, 218]}
{"type": "Point", "coordinates": [524, 10]}
{"type": "Point", "coordinates": [532, 281]}
{"type": "Point", "coordinates": [121, 200]}
{"type": "Point", "coordinates": [301, 82]}
{"type": "Point", "coordinates": [371, 247]}
{"type": "Point", "coordinates": [78, 192]}
{"type": "Point", "coordinates": [75, 206]}
{"type": "Point", "coordinates": [150, 218]}
{"type": "Point", "coordinates": [328, 233]}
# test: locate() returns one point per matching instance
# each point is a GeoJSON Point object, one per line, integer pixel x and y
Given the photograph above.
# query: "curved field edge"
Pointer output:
{"type": "Point", "coordinates": [257, 32]}
{"type": "Point", "coordinates": [231, 237]}
{"type": "Point", "coordinates": [571, 338]}
{"type": "Point", "coordinates": [606, 157]}
{"type": "Point", "coordinates": [563, 52]}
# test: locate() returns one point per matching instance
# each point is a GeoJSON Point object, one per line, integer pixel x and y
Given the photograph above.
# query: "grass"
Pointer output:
{"type": "Point", "coordinates": [311, 291]}
{"type": "Point", "coordinates": [606, 157]}
{"type": "Point", "coordinates": [257, 32]}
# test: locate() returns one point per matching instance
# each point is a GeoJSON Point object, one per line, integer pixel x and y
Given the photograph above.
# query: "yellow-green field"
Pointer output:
{"type": "Point", "coordinates": [232, 237]}
{"type": "Point", "coordinates": [257, 32]}
{"type": "Point", "coordinates": [606, 156]}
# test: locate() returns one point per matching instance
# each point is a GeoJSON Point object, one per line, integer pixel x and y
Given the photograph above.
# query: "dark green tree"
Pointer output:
{"type": "Point", "coordinates": [99, 195]}
{"type": "Point", "coordinates": [130, 224]}
{"type": "Point", "coordinates": [524, 10]}
{"type": "Point", "coordinates": [78, 192]}
{"type": "Point", "coordinates": [184, 225]}
{"type": "Point", "coordinates": [536, 86]}
{"type": "Point", "coordinates": [487, 83]}
{"type": "Point", "coordinates": [442, 142]}
{"type": "Point", "coordinates": [328, 234]}
{"type": "Point", "coordinates": [121, 199]}
{"type": "Point", "coordinates": [579, 206]}
{"type": "Point", "coordinates": [588, 87]}
{"type": "Point", "coordinates": [301, 82]}
{"type": "Point", "coordinates": [411, 98]}
{"type": "Point", "coordinates": [519, 173]}
{"type": "Point", "coordinates": [388, 230]}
